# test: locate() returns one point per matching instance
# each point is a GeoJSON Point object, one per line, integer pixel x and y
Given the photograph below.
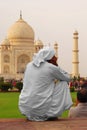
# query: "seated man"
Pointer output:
{"type": "Point", "coordinates": [41, 98]}
{"type": "Point", "coordinates": [81, 109]}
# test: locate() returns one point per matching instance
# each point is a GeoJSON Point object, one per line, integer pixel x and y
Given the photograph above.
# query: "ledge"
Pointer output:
{"type": "Point", "coordinates": [60, 124]}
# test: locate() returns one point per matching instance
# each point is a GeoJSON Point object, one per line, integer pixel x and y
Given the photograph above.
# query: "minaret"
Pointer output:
{"type": "Point", "coordinates": [75, 60]}
{"type": "Point", "coordinates": [38, 45]}
{"type": "Point", "coordinates": [56, 49]}
{"type": "Point", "coordinates": [20, 14]}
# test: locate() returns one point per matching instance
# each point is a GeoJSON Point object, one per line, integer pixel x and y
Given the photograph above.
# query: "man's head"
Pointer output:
{"type": "Point", "coordinates": [53, 60]}
{"type": "Point", "coordinates": [84, 85]}
{"type": "Point", "coordinates": [82, 80]}
{"type": "Point", "coordinates": [45, 54]}
{"type": "Point", "coordinates": [82, 95]}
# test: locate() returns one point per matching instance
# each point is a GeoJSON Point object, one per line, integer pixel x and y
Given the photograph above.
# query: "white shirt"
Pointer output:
{"type": "Point", "coordinates": [38, 93]}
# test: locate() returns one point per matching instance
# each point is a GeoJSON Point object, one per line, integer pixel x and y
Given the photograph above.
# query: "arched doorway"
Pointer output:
{"type": "Point", "coordinates": [22, 61]}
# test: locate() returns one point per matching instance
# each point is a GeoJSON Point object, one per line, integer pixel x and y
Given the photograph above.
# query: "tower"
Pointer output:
{"type": "Point", "coordinates": [75, 58]}
{"type": "Point", "coordinates": [56, 49]}
{"type": "Point", "coordinates": [38, 45]}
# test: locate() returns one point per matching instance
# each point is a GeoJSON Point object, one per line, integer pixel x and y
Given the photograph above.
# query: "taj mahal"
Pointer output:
{"type": "Point", "coordinates": [18, 48]}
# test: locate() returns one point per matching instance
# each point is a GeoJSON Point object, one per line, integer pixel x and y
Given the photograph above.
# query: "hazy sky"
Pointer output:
{"type": "Point", "coordinates": [52, 20]}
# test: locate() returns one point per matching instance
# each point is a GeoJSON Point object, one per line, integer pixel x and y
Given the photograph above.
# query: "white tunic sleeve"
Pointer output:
{"type": "Point", "coordinates": [59, 74]}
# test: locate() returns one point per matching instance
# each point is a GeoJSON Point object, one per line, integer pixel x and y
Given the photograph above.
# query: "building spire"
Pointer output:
{"type": "Point", "coordinates": [20, 14]}
{"type": "Point", "coordinates": [75, 58]}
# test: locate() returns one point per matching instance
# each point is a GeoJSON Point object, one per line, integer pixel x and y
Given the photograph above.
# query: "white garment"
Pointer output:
{"type": "Point", "coordinates": [40, 97]}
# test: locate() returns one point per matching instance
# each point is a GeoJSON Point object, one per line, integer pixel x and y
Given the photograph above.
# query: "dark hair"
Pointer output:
{"type": "Point", "coordinates": [82, 95]}
{"type": "Point", "coordinates": [53, 60]}
{"type": "Point", "coordinates": [84, 85]}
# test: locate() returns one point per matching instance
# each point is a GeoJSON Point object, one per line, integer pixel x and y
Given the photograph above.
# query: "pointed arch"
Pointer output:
{"type": "Point", "coordinates": [6, 69]}
{"type": "Point", "coordinates": [22, 60]}
{"type": "Point", "coordinates": [6, 58]}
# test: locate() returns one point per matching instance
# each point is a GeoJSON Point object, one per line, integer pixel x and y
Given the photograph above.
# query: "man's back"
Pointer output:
{"type": "Point", "coordinates": [79, 111]}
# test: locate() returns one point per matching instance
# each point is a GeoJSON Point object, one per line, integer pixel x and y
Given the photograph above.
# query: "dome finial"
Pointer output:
{"type": "Point", "coordinates": [20, 14]}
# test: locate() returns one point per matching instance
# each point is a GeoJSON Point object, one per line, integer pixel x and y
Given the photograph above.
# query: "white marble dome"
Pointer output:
{"type": "Point", "coordinates": [20, 30]}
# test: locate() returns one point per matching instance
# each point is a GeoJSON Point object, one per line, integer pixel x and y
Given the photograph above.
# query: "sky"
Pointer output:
{"type": "Point", "coordinates": [52, 21]}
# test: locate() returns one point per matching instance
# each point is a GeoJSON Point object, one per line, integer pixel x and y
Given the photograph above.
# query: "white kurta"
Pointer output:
{"type": "Point", "coordinates": [40, 97]}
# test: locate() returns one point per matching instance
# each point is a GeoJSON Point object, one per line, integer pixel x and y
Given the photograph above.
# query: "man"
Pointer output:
{"type": "Point", "coordinates": [41, 98]}
{"type": "Point", "coordinates": [80, 110]}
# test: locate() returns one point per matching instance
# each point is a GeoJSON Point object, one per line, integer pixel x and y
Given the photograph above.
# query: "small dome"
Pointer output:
{"type": "Point", "coordinates": [38, 42]}
{"type": "Point", "coordinates": [5, 42]}
{"type": "Point", "coordinates": [55, 44]}
{"type": "Point", "coordinates": [20, 30]}
{"type": "Point", "coordinates": [75, 32]}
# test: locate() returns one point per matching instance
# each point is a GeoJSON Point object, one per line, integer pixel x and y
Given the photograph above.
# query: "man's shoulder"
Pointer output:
{"type": "Point", "coordinates": [73, 112]}
{"type": "Point", "coordinates": [73, 108]}
{"type": "Point", "coordinates": [78, 111]}
{"type": "Point", "coordinates": [78, 107]}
